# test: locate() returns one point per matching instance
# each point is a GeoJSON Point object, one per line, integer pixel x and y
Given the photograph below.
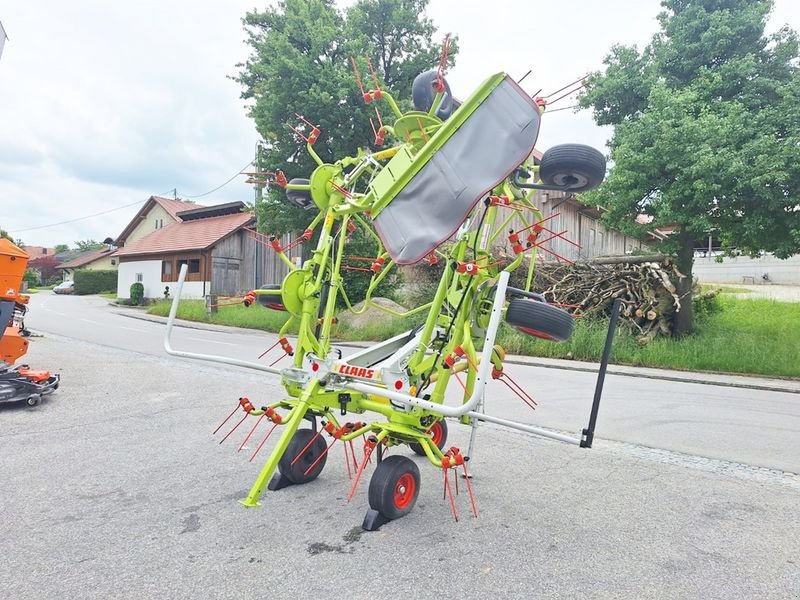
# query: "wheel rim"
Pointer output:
{"type": "Point", "coordinates": [437, 433]}
{"type": "Point", "coordinates": [404, 490]}
{"type": "Point", "coordinates": [536, 333]}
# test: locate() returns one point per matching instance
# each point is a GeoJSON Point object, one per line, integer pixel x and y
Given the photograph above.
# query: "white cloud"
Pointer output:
{"type": "Point", "coordinates": [104, 103]}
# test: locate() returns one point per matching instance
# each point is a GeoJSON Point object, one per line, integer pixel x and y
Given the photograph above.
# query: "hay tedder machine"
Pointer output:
{"type": "Point", "coordinates": [17, 383]}
{"type": "Point", "coordinates": [457, 171]}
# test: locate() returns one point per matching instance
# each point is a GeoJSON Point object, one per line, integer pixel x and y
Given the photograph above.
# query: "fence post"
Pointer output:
{"type": "Point", "coordinates": [211, 304]}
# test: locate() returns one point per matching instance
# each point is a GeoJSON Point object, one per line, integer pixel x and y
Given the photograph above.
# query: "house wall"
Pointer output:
{"type": "Point", "coordinates": [148, 223]}
{"type": "Point", "coordinates": [585, 229]}
{"type": "Point", "coordinates": [743, 269]}
{"type": "Point", "coordinates": [103, 263]}
{"type": "Point", "coordinates": [151, 278]}
{"type": "Point", "coordinates": [240, 264]}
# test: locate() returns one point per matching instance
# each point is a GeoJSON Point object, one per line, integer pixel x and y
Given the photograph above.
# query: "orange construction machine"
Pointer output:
{"type": "Point", "coordinates": [17, 382]}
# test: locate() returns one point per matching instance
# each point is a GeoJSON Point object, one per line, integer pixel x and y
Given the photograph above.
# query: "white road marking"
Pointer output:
{"type": "Point", "coordinates": [89, 321]}
{"type": "Point", "coordinates": [130, 328]}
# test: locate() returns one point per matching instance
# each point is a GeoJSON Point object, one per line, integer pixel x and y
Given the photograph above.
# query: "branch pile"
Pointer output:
{"type": "Point", "coordinates": [645, 284]}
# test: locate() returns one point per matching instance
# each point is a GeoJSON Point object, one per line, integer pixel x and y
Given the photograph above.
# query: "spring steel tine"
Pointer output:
{"type": "Point", "coordinates": [347, 462]}
{"type": "Point", "coordinates": [367, 453]}
{"type": "Point", "coordinates": [521, 389]}
{"type": "Point", "coordinates": [319, 458]}
{"type": "Point", "coordinates": [268, 349]}
{"type": "Point", "coordinates": [516, 393]}
{"type": "Point", "coordinates": [469, 489]}
{"type": "Point", "coordinates": [251, 432]}
{"type": "Point", "coordinates": [234, 428]}
{"type": "Point", "coordinates": [226, 419]}
{"type": "Point", "coordinates": [455, 478]}
{"type": "Point", "coordinates": [264, 441]}
{"type": "Point", "coordinates": [353, 452]}
{"type": "Point", "coordinates": [514, 387]}
{"type": "Point", "coordinates": [449, 492]}
{"type": "Point", "coordinates": [307, 446]}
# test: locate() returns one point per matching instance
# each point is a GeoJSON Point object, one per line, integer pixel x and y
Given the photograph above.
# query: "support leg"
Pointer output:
{"type": "Point", "coordinates": [291, 426]}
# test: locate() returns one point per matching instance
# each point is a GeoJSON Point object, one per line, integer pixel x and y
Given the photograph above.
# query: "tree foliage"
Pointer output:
{"type": "Point", "coordinates": [86, 245]}
{"type": "Point", "coordinates": [706, 131]}
{"type": "Point", "coordinates": [300, 63]}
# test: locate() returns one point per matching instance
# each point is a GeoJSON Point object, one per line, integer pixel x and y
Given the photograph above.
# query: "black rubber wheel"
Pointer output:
{"type": "Point", "coordinates": [300, 198]}
{"type": "Point", "coordinates": [539, 319]}
{"type": "Point", "coordinates": [272, 301]}
{"type": "Point", "coordinates": [423, 94]}
{"type": "Point", "coordinates": [575, 166]}
{"type": "Point", "coordinates": [296, 473]}
{"type": "Point", "coordinates": [438, 432]}
{"type": "Point", "coordinates": [394, 486]}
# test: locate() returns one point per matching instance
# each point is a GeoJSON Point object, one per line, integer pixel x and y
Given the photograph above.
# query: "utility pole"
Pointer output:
{"type": "Point", "coordinates": [258, 270]}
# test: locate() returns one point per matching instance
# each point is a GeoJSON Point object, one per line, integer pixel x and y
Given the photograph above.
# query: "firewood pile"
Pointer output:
{"type": "Point", "coordinates": [645, 284]}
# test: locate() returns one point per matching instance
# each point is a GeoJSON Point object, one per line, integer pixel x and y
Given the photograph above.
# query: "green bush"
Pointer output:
{"type": "Point", "coordinates": [32, 277]}
{"type": "Point", "coordinates": [91, 281]}
{"type": "Point", "coordinates": [137, 293]}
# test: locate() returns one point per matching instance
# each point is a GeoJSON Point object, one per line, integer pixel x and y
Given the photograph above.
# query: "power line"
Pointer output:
{"type": "Point", "coordinates": [104, 212]}
{"type": "Point", "coordinates": [222, 185]}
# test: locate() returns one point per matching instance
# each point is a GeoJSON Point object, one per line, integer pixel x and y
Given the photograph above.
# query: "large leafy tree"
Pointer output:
{"type": "Point", "coordinates": [706, 132]}
{"type": "Point", "coordinates": [300, 63]}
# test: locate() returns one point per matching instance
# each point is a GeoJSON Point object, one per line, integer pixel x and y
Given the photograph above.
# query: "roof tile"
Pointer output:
{"type": "Point", "coordinates": [185, 236]}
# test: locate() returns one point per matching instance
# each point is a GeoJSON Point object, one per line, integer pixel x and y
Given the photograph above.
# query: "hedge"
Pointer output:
{"type": "Point", "coordinates": [90, 281]}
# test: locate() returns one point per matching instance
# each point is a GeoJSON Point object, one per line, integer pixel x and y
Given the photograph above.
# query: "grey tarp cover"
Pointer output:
{"type": "Point", "coordinates": [488, 146]}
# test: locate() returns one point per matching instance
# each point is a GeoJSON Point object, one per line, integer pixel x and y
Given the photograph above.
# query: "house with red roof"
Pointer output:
{"type": "Point", "coordinates": [91, 259]}
{"type": "Point", "coordinates": [211, 241]}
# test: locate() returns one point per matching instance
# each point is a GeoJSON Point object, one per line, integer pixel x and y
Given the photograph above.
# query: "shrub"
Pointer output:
{"type": "Point", "coordinates": [137, 293]}
{"type": "Point", "coordinates": [90, 281]}
{"type": "Point", "coordinates": [32, 277]}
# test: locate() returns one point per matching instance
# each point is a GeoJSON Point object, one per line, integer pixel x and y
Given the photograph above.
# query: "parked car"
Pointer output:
{"type": "Point", "coordinates": [65, 287]}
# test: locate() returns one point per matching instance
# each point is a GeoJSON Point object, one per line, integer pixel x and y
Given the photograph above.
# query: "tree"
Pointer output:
{"type": "Point", "coordinates": [61, 248]}
{"type": "Point", "coordinates": [300, 63]}
{"type": "Point", "coordinates": [4, 235]}
{"type": "Point", "coordinates": [706, 133]}
{"type": "Point", "coordinates": [86, 245]}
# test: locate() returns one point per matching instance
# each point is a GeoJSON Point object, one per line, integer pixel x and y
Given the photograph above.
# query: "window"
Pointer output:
{"type": "Point", "coordinates": [194, 265]}
{"type": "Point", "coordinates": [166, 269]}
{"type": "Point", "coordinates": [139, 278]}
{"type": "Point", "coordinates": [159, 223]}
{"type": "Point", "coordinates": [113, 262]}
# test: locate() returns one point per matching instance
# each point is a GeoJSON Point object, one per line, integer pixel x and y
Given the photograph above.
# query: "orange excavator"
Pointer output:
{"type": "Point", "coordinates": [17, 383]}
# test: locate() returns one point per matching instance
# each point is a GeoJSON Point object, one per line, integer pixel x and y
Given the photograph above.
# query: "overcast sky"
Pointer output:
{"type": "Point", "coordinates": [104, 103]}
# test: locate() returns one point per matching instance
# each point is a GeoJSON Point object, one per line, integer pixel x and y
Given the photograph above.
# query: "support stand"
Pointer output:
{"type": "Point", "coordinates": [587, 435]}
{"type": "Point", "coordinates": [278, 482]}
{"type": "Point", "coordinates": [373, 520]}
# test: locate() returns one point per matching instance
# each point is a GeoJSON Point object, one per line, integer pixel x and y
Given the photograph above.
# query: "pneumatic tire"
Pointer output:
{"type": "Point", "coordinates": [575, 167]}
{"type": "Point", "coordinates": [394, 486]}
{"type": "Point", "coordinates": [539, 319]}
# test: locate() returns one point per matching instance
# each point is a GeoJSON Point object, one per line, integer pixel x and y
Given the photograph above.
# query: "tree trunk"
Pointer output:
{"type": "Point", "coordinates": [684, 320]}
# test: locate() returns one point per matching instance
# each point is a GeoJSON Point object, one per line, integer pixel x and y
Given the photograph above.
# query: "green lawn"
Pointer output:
{"type": "Point", "coordinates": [724, 289]}
{"type": "Point", "coordinates": [759, 337]}
{"type": "Point", "coordinates": [254, 317]}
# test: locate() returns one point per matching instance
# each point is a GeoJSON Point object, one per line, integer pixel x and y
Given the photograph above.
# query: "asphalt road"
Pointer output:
{"type": "Point", "coordinates": [753, 427]}
{"type": "Point", "coordinates": [115, 488]}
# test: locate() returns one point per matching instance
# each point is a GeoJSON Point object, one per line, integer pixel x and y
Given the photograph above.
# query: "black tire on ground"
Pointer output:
{"type": "Point", "coordinates": [539, 319]}
{"type": "Point", "coordinates": [296, 473]}
{"type": "Point", "coordinates": [438, 432]}
{"type": "Point", "coordinates": [394, 486]}
{"type": "Point", "coordinates": [576, 166]}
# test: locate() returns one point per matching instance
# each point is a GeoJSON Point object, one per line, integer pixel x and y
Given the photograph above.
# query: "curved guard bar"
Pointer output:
{"type": "Point", "coordinates": [483, 369]}
{"type": "Point", "coordinates": [207, 357]}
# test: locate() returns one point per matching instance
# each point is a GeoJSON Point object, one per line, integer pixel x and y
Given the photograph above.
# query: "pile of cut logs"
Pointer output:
{"type": "Point", "coordinates": [645, 284]}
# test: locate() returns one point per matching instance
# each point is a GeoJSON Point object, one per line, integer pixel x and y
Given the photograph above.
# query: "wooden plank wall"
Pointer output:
{"type": "Point", "coordinates": [255, 265]}
{"type": "Point", "coordinates": [581, 225]}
